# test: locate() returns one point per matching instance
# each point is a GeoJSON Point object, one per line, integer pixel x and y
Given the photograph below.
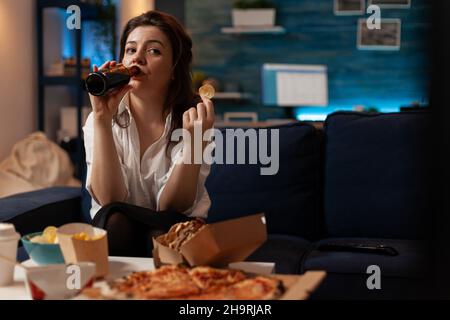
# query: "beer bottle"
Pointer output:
{"type": "Point", "coordinates": [105, 80]}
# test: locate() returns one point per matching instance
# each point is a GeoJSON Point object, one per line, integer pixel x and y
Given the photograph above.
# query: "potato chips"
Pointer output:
{"type": "Point", "coordinates": [50, 234]}
{"type": "Point", "coordinates": [85, 237]}
{"type": "Point", "coordinates": [206, 91]}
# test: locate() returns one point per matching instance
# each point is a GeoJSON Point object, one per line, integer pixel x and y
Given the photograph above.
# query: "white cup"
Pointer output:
{"type": "Point", "coordinates": [9, 240]}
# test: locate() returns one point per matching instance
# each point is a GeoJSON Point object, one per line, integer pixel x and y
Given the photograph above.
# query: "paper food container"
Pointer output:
{"type": "Point", "coordinates": [58, 281]}
{"type": "Point", "coordinates": [75, 250]}
{"type": "Point", "coordinates": [216, 244]}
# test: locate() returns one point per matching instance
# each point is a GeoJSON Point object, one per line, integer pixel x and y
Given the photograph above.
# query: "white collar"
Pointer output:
{"type": "Point", "coordinates": [124, 106]}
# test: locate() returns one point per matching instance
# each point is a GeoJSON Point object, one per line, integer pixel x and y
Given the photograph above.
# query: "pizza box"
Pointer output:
{"type": "Point", "coordinates": [300, 287]}
{"type": "Point", "coordinates": [75, 250]}
{"type": "Point", "coordinates": [262, 268]}
{"type": "Point", "coordinates": [217, 244]}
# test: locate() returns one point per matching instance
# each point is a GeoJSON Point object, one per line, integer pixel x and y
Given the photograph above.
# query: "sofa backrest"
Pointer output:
{"type": "Point", "coordinates": [377, 174]}
{"type": "Point", "coordinates": [290, 199]}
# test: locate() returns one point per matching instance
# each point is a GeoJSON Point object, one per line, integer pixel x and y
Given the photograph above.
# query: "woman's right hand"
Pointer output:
{"type": "Point", "coordinates": [105, 107]}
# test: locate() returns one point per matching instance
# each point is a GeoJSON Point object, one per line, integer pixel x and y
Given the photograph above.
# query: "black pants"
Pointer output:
{"type": "Point", "coordinates": [131, 228]}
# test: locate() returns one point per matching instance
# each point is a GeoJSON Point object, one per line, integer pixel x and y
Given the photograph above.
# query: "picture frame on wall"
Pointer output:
{"type": "Point", "coordinates": [391, 4]}
{"type": "Point", "coordinates": [386, 38]}
{"type": "Point", "coordinates": [349, 7]}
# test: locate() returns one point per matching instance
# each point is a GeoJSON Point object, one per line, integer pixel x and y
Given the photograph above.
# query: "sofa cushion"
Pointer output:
{"type": "Point", "coordinates": [377, 174]}
{"type": "Point", "coordinates": [33, 211]}
{"type": "Point", "coordinates": [290, 198]}
{"type": "Point", "coordinates": [410, 262]}
{"type": "Point", "coordinates": [402, 276]}
{"type": "Point", "coordinates": [20, 203]}
{"type": "Point", "coordinates": [286, 251]}
{"type": "Point", "coordinates": [22, 254]}
{"type": "Point", "coordinates": [354, 287]}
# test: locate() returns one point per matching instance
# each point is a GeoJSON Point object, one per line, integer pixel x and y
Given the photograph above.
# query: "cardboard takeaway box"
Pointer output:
{"type": "Point", "coordinates": [75, 250]}
{"type": "Point", "coordinates": [217, 244]}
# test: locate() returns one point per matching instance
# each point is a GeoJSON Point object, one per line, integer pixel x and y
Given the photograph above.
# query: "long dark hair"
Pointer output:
{"type": "Point", "coordinates": [181, 94]}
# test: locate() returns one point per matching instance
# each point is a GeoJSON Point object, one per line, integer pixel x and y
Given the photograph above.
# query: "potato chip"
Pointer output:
{"type": "Point", "coordinates": [50, 234]}
{"type": "Point", "coordinates": [207, 91]}
{"type": "Point", "coordinates": [85, 237]}
{"type": "Point", "coordinates": [81, 236]}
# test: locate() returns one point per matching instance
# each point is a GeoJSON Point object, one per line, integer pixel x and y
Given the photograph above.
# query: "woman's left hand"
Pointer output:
{"type": "Point", "coordinates": [202, 115]}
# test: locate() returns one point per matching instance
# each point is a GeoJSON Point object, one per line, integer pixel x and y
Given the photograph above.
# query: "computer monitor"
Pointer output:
{"type": "Point", "coordinates": [294, 85]}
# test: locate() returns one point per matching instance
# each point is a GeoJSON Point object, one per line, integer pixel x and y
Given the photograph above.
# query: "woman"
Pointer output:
{"type": "Point", "coordinates": [140, 181]}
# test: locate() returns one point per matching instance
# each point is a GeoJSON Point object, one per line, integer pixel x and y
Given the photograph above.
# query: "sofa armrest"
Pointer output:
{"type": "Point", "coordinates": [33, 211]}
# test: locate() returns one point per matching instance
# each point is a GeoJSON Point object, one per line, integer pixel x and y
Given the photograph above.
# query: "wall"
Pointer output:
{"type": "Point", "coordinates": [385, 80]}
{"type": "Point", "coordinates": [173, 7]}
{"type": "Point", "coordinates": [17, 62]}
{"type": "Point", "coordinates": [60, 43]}
{"type": "Point", "coordinates": [131, 8]}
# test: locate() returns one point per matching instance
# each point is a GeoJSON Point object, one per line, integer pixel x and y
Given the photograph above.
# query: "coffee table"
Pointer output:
{"type": "Point", "coordinates": [120, 266]}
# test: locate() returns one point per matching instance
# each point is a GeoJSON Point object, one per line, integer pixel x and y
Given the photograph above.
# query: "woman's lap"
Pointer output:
{"type": "Point", "coordinates": [131, 228]}
{"type": "Point", "coordinates": [148, 217]}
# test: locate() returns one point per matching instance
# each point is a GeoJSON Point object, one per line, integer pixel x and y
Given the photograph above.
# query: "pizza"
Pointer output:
{"type": "Point", "coordinates": [209, 279]}
{"type": "Point", "coordinates": [181, 232]}
{"type": "Point", "coordinates": [258, 288]}
{"type": "Point", "coordinates": [163, 283]}
{"type": "Point", "coordinates": [199, 283]}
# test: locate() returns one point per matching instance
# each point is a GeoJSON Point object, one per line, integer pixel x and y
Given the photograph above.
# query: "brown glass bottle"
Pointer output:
{"type": "Point", "coordinates": [103, 81]}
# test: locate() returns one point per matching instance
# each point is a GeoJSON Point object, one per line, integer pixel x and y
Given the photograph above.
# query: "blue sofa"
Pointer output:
{"type": "Point", "coordinates": [364, 179]}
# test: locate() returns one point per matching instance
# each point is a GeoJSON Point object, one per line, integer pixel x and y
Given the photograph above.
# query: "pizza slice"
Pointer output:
{"type": "Point", "coordinates": [211, 279]}
{"type": "Point", "coordinates": [258, 288]}
{"type": "Point", "coordinates": [166, 282]}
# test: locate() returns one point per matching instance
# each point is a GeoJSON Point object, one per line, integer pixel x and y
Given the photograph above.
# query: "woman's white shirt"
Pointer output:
{"type": "Point", "coordinates": [145, 180]}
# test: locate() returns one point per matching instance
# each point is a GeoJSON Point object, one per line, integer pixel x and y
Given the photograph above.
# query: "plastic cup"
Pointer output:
{"type": "Point", "coordinates": [9, 240]}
